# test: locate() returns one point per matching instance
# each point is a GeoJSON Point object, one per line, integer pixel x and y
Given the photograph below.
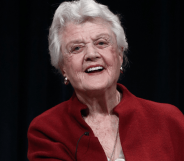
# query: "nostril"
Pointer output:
{"type": "Point", "coordinates": [89, 59]}
{"type": "Point", "coordinates": [92, 57]}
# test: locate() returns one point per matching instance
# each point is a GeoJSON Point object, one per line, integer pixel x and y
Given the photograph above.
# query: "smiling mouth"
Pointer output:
{"type": "Point", "coordinates": [94, 69]}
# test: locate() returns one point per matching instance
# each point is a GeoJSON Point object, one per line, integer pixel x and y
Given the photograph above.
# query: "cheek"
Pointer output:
{"type": "Point", "coordinates": [111, 57]}
{"type": "Point", "coordinates": [67, 61]}
{"type": "Point", "coordinates": [74, 63]}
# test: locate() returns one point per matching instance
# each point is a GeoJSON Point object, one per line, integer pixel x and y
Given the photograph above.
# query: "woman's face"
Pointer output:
{"type": "Point", "coordinates": [91, 58]}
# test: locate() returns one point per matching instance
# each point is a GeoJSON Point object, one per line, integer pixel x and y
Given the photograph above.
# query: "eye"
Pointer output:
{"type": "Point", "coordinates": [76, 49]}
{"type": "Point", "coordinates": [102, 43]}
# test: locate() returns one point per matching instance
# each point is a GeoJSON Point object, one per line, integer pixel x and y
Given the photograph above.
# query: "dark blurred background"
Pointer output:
{"type": "Point", "coordinates": [29, 85]}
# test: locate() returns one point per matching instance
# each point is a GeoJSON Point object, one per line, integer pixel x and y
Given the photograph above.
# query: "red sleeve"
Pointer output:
{"type": "Point", "coordinates": [42, 147]}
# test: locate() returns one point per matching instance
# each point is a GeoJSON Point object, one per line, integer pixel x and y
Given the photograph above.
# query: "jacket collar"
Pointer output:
{"type": "Point", "coordinates": [126, 106]}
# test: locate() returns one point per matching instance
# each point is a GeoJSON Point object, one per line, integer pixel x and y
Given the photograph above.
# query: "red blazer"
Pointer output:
{"type": "Point", "coordinates": [149, 131]}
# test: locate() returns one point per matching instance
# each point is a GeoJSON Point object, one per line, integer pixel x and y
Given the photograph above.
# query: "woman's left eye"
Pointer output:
{"type": "Point", "coordinates": [101, 43]}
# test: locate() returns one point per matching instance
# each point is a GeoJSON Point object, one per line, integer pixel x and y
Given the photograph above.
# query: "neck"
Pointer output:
{"type": "Point", "coordinates": [100, 102]}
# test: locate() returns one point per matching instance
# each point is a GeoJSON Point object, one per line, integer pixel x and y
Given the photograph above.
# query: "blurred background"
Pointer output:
{"type": "Point", "coordinates": [29, 85]}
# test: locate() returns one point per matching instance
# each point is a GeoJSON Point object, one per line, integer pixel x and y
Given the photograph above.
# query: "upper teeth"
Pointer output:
{"type": "Point", "coordinates": [94, 68]}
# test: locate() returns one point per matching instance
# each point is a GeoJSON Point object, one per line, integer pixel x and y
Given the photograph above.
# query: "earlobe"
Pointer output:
{"type": "Point", "coordinates": [63, 72]}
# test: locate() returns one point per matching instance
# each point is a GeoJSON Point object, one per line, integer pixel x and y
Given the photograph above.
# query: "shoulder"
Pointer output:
{"type": "Point", "coordinates": [45, 131]}
{"type": "Point", "coordinates": [53, 117]}
{"type": "Point", "coordinates": [148, 107]}
{"type": "Point", "coordinates": [54, 112]}
{"type": "Point", "coordinates": [159, 126]}
{"type": "Point", "coordinates": [162, 116]}
{"type": "Point", "coordinates": [154, 113]}
{"type": "Point", "coordinates": [160, 109]}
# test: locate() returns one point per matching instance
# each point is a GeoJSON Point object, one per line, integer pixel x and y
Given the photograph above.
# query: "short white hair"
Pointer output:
{"type": "Point", "coordinates": [79, 11]}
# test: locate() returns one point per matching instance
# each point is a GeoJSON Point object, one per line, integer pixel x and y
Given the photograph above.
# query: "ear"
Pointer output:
{"type": "Point", "coordinates": [62, 69]}
{"type": "Point", "coordinates": [63, 72]}
{"type": "Point", "coordinates": [121, 55]}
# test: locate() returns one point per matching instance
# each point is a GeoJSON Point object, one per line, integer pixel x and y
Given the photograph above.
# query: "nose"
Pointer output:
{"type": "Point", "coordinates": [91, 53]}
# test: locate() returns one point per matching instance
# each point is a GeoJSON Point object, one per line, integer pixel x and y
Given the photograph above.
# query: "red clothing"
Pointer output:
{"type": "Point", "coordinates": [149, 131]}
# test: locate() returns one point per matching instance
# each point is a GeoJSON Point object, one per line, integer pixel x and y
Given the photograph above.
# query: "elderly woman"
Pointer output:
{"type": "Point", "coordinates": [103, 120]}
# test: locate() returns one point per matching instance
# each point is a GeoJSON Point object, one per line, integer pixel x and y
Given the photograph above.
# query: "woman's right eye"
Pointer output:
{"type": "Point", "coordinates": [76, 49]}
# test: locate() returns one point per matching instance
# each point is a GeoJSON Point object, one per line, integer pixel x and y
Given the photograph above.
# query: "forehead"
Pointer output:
{"type": "Point", "coordinates": [89, 29]}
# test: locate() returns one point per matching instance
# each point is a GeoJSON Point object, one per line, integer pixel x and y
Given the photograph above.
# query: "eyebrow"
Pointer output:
{"type": "Point", "coordinates": [102, 35]}
{"type": "Point", "coordinates": [76, 41]}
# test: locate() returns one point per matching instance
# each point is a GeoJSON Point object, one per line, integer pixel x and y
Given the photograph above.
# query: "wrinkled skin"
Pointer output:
{"type": "Point", "coordinates": [86, 45]}
{"type": "Point", "coordinates": [90, 43]}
